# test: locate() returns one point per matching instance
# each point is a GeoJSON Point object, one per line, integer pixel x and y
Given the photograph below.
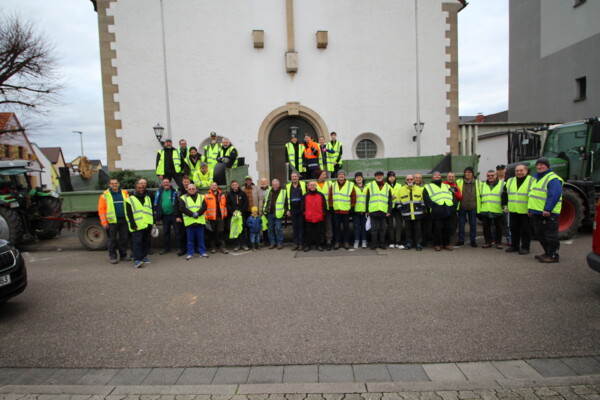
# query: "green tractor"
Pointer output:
{"type": "Point", "coordinates": [26, 212]}
{"type": "Point", "coordinates": [574, 153]}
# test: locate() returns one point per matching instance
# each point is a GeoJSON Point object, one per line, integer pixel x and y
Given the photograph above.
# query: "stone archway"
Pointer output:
{"type": "Point", "coordinates": [290, 109]}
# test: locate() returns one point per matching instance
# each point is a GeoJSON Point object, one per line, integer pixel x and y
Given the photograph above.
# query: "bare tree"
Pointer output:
{"type": "Point", "coordinates": [28, 68]}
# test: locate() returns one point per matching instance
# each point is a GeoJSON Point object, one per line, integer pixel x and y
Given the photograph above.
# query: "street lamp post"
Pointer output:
{"type": "Point", "coordinates": [418, 129]}
{"type": "Point", "coordinates": [158, 132]}
{"type": "Point", "coordinates": [81, 140]}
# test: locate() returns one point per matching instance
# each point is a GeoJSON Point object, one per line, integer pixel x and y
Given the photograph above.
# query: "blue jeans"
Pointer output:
{"type": "Point", "coordinates": [298, 226]}
{"type": "Point", "coordinates": [275, 231]}
{"type": "Point", "coordinates": [168, 223]}
{"type": "Point", "coordinates": [255, 237]}
{"type": "Point", "coordinates": [360, 231]}
{"type": "Point", "coordinates": [462, 220]}
{"type": "Point", "coordinates": [195, 233]}
{"type": "Point", "coordinates": [343, 219]}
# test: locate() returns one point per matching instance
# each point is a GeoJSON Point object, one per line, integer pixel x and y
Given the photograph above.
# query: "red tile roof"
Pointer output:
{"type": "Point", "coordinates": [4, 118]}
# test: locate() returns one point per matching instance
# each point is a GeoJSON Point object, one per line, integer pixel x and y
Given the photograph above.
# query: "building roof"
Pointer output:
{"type": "Point", "coordinates": [52, 153]}
{"type": "Point", "coordinates": [501, 116]}
{"type": "Point", "coordinates": [4, 118]}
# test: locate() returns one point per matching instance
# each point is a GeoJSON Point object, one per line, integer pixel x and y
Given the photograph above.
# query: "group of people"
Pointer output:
{"type": "Point", "coordinates": [401, 216]}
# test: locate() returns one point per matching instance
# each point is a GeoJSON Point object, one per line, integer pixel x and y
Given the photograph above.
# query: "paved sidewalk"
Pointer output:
{"type": "Point", "coordinates": [568, 378]}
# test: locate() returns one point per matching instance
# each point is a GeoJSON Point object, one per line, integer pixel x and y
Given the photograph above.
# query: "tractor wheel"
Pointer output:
{"type": "Point", "coordinates": [91, 234]}
{"type": "Point", "coordinates": [47, 228]}
{"type": "Point", "coordinates": [571, 214]}
{"type": "Point", "coordinates": [11, 227]}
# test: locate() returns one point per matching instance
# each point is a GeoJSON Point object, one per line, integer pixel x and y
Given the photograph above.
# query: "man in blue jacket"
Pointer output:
{"type": "Point", "coordinates": [166, 209]}
{"type": "Point", "coordinates": [544, 204]}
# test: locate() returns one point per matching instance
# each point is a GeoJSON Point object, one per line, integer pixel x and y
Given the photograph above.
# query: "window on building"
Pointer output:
{"type": "Point", "coordinates": [20, 153]}
{"type": "Point", "coordinates": [581, 88]}
{"type": "Point", "coordinates": [366, 148]}
{"type": "Point", "coordinates": [579, 2]}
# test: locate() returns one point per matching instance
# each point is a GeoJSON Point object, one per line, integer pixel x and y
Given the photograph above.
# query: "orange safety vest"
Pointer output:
{"type": "Point", "coordinates": [211, 205]}
{"type": "Point", "coordinates": [309, 148]}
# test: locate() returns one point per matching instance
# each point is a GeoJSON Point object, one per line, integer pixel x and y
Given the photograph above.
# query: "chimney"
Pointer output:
{"type": "Point", "coordinates": [480, 118]}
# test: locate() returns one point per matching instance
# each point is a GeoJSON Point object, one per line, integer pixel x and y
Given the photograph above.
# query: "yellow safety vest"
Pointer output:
{"type": "Point", "coordinates": [361, 198]}
{"type": "Point", "coordinates": [193, 168]}
{"type": "Point", "coordinates": [291, 151]}
{"type": "Point", "coordinates": [203, 180]}
{"type": "Point", "coordinates": [288, 189]}
{"type": "Point", "coordinates": [279, 203]}
{"type": "Point", "coordinates": [440, 195]}
{"type": "Point", "coordinates": [227, 153]}
{"type": "Point", "coordinates": [411, 200]}
{"type": "Point", "coordinates": [193, 206]}
{"type": "Point", "coordinates": [539, 193]}
{"type": "Point", "coordinates": [378, 198]}
{"type": "Point", "coordinates": [160, 168]}
{"type": "Point", "coordinates": [111, 215]}
{"type": "Point", "coordinates": [518, 198]}
{"type": "Point", "coordinates": [211, 152]}
{"type": "Point", "coordinates": [342, 196]}
{"type": "Point", "coordinates": [460, 183]}
{"type": "Point", "coordinates": [332, 157]}
{"type": "Point", "coordinates": [142, 213]}
{"type": "Point", "coordinates": [491, 199]}
{"type": "Point", "coordinates": [325, 191]}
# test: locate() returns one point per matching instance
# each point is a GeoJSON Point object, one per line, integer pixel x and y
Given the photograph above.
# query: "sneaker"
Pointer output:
{"type": "Point", "coordinates": [347, 246]}
{"type": "Point", "coordinates": [114, 261]}
{"type": "Point", "coordinates": [336, 246]}
{"type": "Point", "coordinates": [126, 258]}
{"type": "Point", "coordinates": [272, 246]}
{"type": "Point", "coordinates": [181, 252]}
{"type": "Point", "coordinates": [245, 248]}
{"type": "Point", "coordinates": [320, 248]}
{"type": "Point", "coordinates": [147, 260]}
{"type": "Point", "coordinates": [295, 247]}
{"type": "Point", "coordinates": [523, 251]}
{"type": "Point", "coordinates": [279, 246]}
{"type": "Point", "coordinates": [392, 246]}
{"type": "Point", "coordinates": [236, 249]}
{"type": "Point", "coordinates": [328, 247]}
{"type": "Point", "coordinates": [399, 246]}
{"type": "Point", "coordinates": [364, 245]}
{"type": "Point", "coordinates": [224, 250]}
{"type": "Point", "coordinates": [213, 250]}
{"type": "Point", "coordinates": [459, 243]}
{"type": "Point", "coordinates": [300, 248]}
{"type": "Point", "coordinates": [163, 252]}
{"type": "Point", "coordinates": [382, 247]}
{"type": "Point", "coordinates": [138, 263]}
{"type": "Point", "coordinates": [189, 257]}
{"type": "Point", "coordinates": [419, 248]}
{"type": "Point", "coordinates": [204, 255]}
{"type": "Point", "coordinates": [356, 244]}
{"type": "Point", "coordinates": [307, 248]}
{"type": "Point", "coordinates": [408, 246]}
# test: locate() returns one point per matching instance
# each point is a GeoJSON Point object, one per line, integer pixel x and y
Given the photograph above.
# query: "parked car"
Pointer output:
{"type": "Point", "coordinates": [593, 257]}
{"type": "Point", "coordinates": [13, 274]}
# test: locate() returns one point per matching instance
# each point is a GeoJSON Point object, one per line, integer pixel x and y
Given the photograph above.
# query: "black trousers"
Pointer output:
{"type": "Point", "coordinates": [440, 231]}
{"type": "Point", "coordinates": [377, 230]}
{"type": "Point", "coordinates": [297, 225]}
{"type": "Point", "coordinates": [118, 235]}
{"type": "Point", "coordinates": [546, 231]}
{"type": "Point", "coordinates": [520, 230]}
{"type": "Point", "coordinates": [141, 243]}
{"type": "Point", "coordinates": [496, 235]}
{"type": "Point", "coordinates": [315, 233]}
{"type": "Point", "coordinates": [182, 244]}
{"type": "Point", "coordinates": [413, 232]}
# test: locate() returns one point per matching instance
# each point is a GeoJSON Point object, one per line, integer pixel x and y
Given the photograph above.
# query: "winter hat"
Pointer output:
{"type": "Point", "coordinates": [391, 173]}
{"type": "Point", "coordinates": [543, 160]}
{"type": "Point", "coordinates": [254, 209]}
{"type": "Point", "coordinates": [341, 172]}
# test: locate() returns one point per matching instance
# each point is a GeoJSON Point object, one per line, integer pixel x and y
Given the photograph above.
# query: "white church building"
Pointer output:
{"type": "Point", "coordinates": [251, 69]}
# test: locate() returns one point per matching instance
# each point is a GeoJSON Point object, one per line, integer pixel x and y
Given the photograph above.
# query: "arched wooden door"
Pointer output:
{"type": "Point", "coordinates": [279, 136]}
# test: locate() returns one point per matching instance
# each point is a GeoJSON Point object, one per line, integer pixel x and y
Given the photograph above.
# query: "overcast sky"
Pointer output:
{"type": "Point", "coordinates": [73, 28]}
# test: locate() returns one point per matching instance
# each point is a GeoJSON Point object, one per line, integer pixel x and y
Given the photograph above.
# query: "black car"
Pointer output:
{"type": "Point", "coordinates": [13, 274]}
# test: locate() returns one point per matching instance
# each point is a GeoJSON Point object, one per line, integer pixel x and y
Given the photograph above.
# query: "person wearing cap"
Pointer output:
{"type": "Point", "coordinates": [412, 207]}
{"type": "Point", "coordinates": [323, 186]}
{"type": "Point", "coordinates": [275, 207]}
{"type": "Point", "coordinates": [501, 172]}
{"type": "Point", "coordinates": [310, 157]}
{"type": "Point", "coordinates": [254, 225]}
{"type": "Point", "coordinates": [379, 205]}
{"type": "Point", "coordinates": [314, 209]}
{"type": "Point", "coordinates": [544, 205]}
{"type": "Point", "coordinates": [293, 156]}
{"type": "Point", "coordinates": [394, 221]}
{"type": "Point", "coordinates": [203, 177]}
{"type": "Point", "coordinates": [359, 218]}
{"type": "Point", "coordinates": [211, 151]}
{"type": "Point", "coordinates": [468, 206]}
{"type": "Point", "coordinates": [192, 162]}
{"type": "Point", "coordinates": [334, 157]}
{"type": "Point", "coordinates": [228, 154]}
{"type": "Point", "coordinates": [441, 202]}
{"type": "Point", "coordinates": [295, 191]}
{"type": "Point", "coordinates": [168, 163]}
{"type": "Point", "coordinates": [491, 212]}
{"type": "Point", "coordinates": [515, 199]}
{"type": "Point", "coordinates": [342, 199]}
{"type": "Point", "coordinates": [237, 201]}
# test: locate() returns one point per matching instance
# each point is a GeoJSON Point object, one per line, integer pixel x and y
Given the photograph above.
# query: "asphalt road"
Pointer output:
{"type": "Point", "coordinates": [276, 307]}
